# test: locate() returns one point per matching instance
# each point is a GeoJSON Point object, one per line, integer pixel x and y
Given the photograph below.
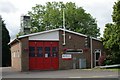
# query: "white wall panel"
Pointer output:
{"type": "Point", "coordinates": [46, 36]}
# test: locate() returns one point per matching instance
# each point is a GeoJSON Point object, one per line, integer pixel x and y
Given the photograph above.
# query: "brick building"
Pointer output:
{"type": "Point", "coordinates": [51, 50]}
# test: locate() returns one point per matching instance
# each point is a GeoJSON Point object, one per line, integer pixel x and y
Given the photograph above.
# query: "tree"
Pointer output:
{"type": "Point", "coordinates": [50, 16]}
{"type": "Point", "coordinates": [111, 36]}
{"type": "Point", "coordinates": [6, 59]}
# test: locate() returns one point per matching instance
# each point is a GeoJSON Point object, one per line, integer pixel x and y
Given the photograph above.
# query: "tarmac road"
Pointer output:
{"type": "Point", "coordinates": [71, 74]}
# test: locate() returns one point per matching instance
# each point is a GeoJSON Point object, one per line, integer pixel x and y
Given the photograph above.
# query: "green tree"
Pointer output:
{"type": "Point", "coordinates": [6, 56]}
{"type": "Point", "coordinates": [50, 16]}
{"type": "Point", "coordinates": [111, 36]}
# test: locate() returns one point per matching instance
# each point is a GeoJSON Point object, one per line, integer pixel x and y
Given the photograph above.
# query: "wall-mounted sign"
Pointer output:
{"type": "Point", "coordinates": [66, 56]}
{"type": "Point", "coordinates": [46, 55]}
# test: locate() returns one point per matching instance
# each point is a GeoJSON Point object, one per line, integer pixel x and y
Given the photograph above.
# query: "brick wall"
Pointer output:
{"type": "Point", "coordinates": [16, 56]}
{"type": "Point", "coordinates": [25, 54]}
{"type": "Point", "coordinates": [76, 42]}
{"type": "Point", "coordinates": [20, 55]}
{"type": "Point", "coordinates": [97, 45]}
{"type": "Point", "coordinates": [20, 52]}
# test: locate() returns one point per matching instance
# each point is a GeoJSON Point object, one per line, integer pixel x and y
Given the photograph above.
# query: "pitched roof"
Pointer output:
{"type": "Point", "coordinates": [51, 31]}
{"type": "Point", "coordinates": [58, 29]}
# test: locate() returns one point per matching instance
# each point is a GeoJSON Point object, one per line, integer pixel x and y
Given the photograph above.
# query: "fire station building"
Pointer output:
{"type": "Point", "coordinates": [55, 49]}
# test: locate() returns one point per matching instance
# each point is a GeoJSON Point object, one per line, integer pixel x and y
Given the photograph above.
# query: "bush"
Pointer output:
{"type": "Point", "coordinates": [101, 60]}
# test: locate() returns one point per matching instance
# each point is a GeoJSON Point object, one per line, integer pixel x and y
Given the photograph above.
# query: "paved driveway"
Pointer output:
{"type": "Point", "coordinates": [73, 73]}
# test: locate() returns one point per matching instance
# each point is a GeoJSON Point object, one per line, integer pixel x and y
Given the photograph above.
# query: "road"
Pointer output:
{"type": "Point", "coordinates": [73, 73]}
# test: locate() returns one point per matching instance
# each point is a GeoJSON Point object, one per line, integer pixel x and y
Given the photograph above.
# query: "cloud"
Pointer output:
{"type": "Point", "coordinates": [12, 22]}
{"type": "Point", "coordinates": [11, 10]}
{"type": "Point", "coordinates": [7, 7]}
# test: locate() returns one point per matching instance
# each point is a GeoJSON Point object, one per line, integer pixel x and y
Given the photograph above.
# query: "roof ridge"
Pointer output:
{"type": "Point", "coordinates": [42, 32]}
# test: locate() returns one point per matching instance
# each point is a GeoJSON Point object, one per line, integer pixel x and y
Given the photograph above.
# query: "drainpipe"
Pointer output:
{"type": "Point", "coordinates": [91, 52]}
{"type": "Point", "coordinates": [63, 27]}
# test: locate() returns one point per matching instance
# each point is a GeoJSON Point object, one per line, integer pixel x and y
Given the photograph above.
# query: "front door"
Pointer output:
{"type": "Point", "coordinates": [54, 58]}
{"type": "Point", "coordinates": [32, 56]}
{"type": "Point", "coordinates": [40, 56]}
{"type": "Point", "coordinates": [97, 55]}
{"type": "Point", "coordinates": [47, 55]}
{"type": "Point", "coordinates": [43, 55]}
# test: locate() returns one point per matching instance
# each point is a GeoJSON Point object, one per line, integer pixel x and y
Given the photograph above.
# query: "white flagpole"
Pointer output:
{"type": "Point", "coordinates": [63, 27]}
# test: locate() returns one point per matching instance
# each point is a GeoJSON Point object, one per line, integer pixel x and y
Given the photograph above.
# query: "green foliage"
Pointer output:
{"type": "Point", "coordinates": [50, 16]}
{"type": "Point", "coordinates": [116, 13]}
{"type": "Point", "coordinates": [6, 59]}
{"type": "Point", "coordinates": [111, 35]}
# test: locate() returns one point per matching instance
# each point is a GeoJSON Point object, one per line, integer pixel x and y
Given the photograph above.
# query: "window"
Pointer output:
{"type": "Point", "coordinates": [97, 56]}
{"type": "Point", "coordinates": [32, 51]}
{"type": "Point", "coordinates": [13, 54]}
{"type": "Point", "coordinates": [54, 51]}
{"type": "Point", "coordinates": [18, 55]}
{"type": "Point", "coordinates": [39, 51]}
{"type": "Point", "coordinates": [47, 51]}
{"type": "Point", "coordinates": [73, 51]}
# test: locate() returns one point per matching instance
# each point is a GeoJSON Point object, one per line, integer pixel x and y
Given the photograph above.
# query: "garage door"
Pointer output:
{"type": "Point", "coordinates": [43, 55]}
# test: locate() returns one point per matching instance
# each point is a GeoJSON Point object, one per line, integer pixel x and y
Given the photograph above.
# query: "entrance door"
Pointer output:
{"type": "Point", "coordinates": [43, 55]}
{"type": "Point", "coordinates": [32, 56]}
{"type": "Point", "coordinates": [47, 55]}
{"type": "Point", "coordinates": [40, 56]}
{"type": "Point", "coordinates": [54, 52]}
{"type": "Point", "coordinates": [97, 55]}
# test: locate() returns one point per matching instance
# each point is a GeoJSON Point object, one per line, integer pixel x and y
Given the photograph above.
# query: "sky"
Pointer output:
{"type": "Point", "coordinates": [11, 10]}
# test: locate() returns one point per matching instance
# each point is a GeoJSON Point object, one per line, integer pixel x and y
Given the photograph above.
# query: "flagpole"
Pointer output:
{"type": "Point", "coordinates": [63, 27]}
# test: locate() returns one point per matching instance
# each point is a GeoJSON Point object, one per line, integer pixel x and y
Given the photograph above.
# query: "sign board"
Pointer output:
{"type": "Point", "coordinates": [66, 56]}
{"type": "Point", "coordinates": [46, 55]}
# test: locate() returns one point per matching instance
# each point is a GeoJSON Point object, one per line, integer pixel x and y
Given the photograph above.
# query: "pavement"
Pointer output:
{"type": "Point", "coordinates": [8, 72]}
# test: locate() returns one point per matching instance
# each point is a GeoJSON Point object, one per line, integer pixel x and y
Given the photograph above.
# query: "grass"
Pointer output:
{"type": "Point", "coordinates": [109, 69]}
{"type": "Point", "coordinates": [114, 69]}
{"type": "Point", "coordinates": [103, 69]}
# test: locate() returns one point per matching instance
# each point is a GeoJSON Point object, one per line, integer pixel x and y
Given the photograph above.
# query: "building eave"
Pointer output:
{"type": "Point", "coordinates": [52, 31]}
{"type": "Point", "coordinates": [58, 29]}
{"type": "Point", "coordinates": [39, 33]}
{"type": "Point", "coordinates": [13, 41]}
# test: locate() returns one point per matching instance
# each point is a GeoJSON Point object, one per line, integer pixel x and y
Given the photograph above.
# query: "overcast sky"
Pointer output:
{"type": "Point", "coordinates": [11, 10]}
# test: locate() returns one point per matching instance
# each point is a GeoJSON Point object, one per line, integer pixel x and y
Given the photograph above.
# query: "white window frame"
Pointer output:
{"type": "Point", "coordinates": [95, 52]}
{"type": "Point", "coordinates": [74, 52]}
{"type": "Point", "coordinates": [13, 54]}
